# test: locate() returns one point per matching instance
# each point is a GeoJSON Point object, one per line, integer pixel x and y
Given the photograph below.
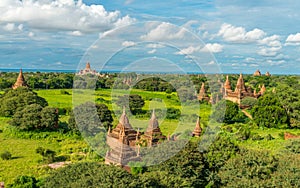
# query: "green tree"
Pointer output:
{"type": "Point", "coordinates": [249, 168]}
{"type": "Point", "coordinates": [24, 182]}
{"type": "Point", "coordinates": [90, 118]}
{"type": "Point", "coordinates": [18, 99]}
{"type": "Point", "coordinates": [91, 175]}
{"type": "Point", "coordinates": [227, 112]}
{"type": "Point", "coordinates": [133, 101]}
{"type": "Point", "coordinates": [268, 112]}
{"type": "Point", "coordinates": [35, 117]}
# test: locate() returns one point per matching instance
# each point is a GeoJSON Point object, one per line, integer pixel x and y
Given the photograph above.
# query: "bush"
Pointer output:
{"type": "Point", "coordinates": [5, 155]}
{"type": "Point", "coordinates": [24, 182]}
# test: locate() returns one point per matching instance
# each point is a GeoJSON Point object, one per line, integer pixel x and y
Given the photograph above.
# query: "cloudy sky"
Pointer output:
{"type": "Point", "coordinates": [236, 36]}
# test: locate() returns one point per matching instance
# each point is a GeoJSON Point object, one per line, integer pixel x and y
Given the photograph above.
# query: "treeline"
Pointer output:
{"type": "Point", "coordinates": [163, 83]}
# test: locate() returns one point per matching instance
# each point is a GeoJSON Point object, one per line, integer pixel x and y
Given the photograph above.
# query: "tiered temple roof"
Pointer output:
{"type": "Point", "coordinates": [198, 130]}
{"type": "Point", "coordinates": [20, 81]}
{"type": "Point", "coordinates": [122, 142]}
{"type": "Point", "coordinates": [153, 133]}
{"type": "Point", "coordinates": [202, 94]}
{"type": "Point", "coordinates": [268, 74]}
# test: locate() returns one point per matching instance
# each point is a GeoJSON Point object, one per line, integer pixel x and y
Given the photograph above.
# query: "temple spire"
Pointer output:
{"type": "Point", "coordinates": [202, 95]}
{"type": "Point", "coordinates": [197, 131]}
{"type": "Point", "coordinates": [153, 123]}
{"type": "Point", "coordinates": [88, 65]}
{"type": "Point", "coordinates": [240, 85]}
{"type": "Point", "coordinates": [227, 85]}
{"type": "Point", "coordinates": [263, 89]}
{"type": "Point", "coordinates": [124, 120]}
{"type": "Point", "coordinates": [20, 81]}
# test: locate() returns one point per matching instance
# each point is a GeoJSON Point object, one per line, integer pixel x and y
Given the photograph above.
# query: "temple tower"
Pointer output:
{"type": "Point", "coordinates": [20, 81]}
{"type": "Point", "coordinates": [198, 130]}
{"type": "Point", "coordinates": [153, 133]}
{"type": "Point", "coordinates": [202, 94]}
{"type": "Point", "coordinates": [240, 85]}
{"type": "Point", "coordinates": [122, 142]}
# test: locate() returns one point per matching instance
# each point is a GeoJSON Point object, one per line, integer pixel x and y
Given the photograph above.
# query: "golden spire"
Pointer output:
{"type": "Point", "coordinates": [240, 85]}
{"type": "Point", "coordinates": [20, 81]}
{"type": "Point", "coordinates": [88, 65]}
{"type": "Point", "coordinates": [227, 84]}
{"type": "Point", "coordinates": [197, 131]}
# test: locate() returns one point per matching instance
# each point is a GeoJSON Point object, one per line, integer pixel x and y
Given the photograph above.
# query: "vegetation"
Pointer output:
{"type": "Point", "coordinates": [245, 153]}
{"type": "Point", "coordinates": [227, 112]}
{"type": "Point", "coordinates": [268, 112]}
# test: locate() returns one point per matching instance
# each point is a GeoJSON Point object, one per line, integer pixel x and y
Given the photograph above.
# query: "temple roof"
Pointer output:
{"type": "Point", "coordinates": [257, 73]}
{"type": "Point", "coordinates": [124, 121]}
{"type": "Point", "coordinates": [88, 65]}
{"type": "Point", "coordinates": [240, 85]}
{"type": "Point", "coordinates": [20, 81]}
{"type": "Point", "coordinates": [197, 131]}
{"type": "Point", "coordinates": [227, 84]}
{"type": "Point", "coordinates": [263, 89]}
{"type": "Point", "coordinates": [153, 123]}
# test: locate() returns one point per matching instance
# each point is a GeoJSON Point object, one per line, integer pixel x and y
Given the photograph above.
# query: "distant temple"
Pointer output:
{"type": "Point", "coordinates": [88, 70]}
{"type": "Point", "coordinates": [202, 94]}
{"type": "Point", "coordinates": [20, 81]}
{"type": "Point", "coordinates": [240, 92]}
{"type": "Point", "coordinates": [268, 74]}
{"type": "Point", "coordinates": [257, 73]}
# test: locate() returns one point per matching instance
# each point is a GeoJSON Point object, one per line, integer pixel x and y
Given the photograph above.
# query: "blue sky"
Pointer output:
{"type": "Point", "coordinates": [230, 36]}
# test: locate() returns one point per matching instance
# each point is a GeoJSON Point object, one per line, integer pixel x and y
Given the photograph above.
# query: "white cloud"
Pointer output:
{"type": "Point", "coordinates": [165, 31]}
{"type": "Point", "coordinates": [231, 33]}
{"type": "Point", "coordinates": [62, 15]}
{"type": "Point", "coordinates": [31, 34]}
{"type": "Point", "coordinates": [209, 47]}
{"type": "Point", "coordinates": [189, 50]}
{"type": "Point", "coordinates": [250, 59]}
{"type": "Point", "coordinates": [128, 43]}
{"type": "Point", "coordinates": [76, 33]}
{"type": "Point", "coordinates": [272, 41]}
{"type": "Point", "coordinates": [213, 48]}
{"type": "Point", "coordinates": [9, 27]}
{"type": "Point", "coordinates": [269, 51]}
{"type": "Point", "coordinates": [155, 45]}
{"type": "Point", "coordinates": [152, 51]}
{"type": "Point", "coordinates": [293, 39]}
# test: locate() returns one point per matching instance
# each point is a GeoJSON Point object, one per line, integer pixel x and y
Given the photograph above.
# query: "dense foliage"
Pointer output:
{"type": "Point", "coordinates": [35, 117]}
{"type": "Point", "coordinates": [90, 118]}
{"type": "Point", "coordinates": [227, 112]}
{"type": "Point", "coordinates": [90, 175]}
{"type": "Point", "coordinates": [133, 101]}
{"type": "Point", "coordinates": [17, 100]}
{"type": "Point", "coordinates": [268, 112]}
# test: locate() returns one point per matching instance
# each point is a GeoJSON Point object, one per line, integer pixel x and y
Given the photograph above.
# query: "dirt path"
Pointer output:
{"type": "Point", "coordinates": [247, 114]}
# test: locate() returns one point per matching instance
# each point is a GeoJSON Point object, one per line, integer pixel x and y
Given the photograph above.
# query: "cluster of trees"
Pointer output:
{"type": "Point", "coordinates": [28, 110]}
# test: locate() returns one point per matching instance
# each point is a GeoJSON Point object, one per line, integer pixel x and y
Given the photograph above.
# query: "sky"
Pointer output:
{"type": "Point", "coordinates": [231, 36]}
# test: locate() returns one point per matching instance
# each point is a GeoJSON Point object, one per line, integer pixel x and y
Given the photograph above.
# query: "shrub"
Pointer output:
{"type": "Point", "coordinates": [24, 181]}
{"type": "Point", "coordinates": [5, 155]}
